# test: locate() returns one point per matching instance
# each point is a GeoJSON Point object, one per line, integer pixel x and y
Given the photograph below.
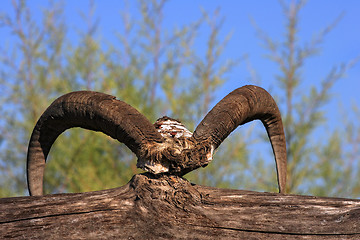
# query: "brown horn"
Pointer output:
{"type": "Point", "coordinates": [90, 110]}
{"type": "Point", "coordinates": [243, 105]}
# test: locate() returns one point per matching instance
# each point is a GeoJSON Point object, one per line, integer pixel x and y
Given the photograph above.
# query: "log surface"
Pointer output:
{"type": "Point", "coordinates": [169, 207]}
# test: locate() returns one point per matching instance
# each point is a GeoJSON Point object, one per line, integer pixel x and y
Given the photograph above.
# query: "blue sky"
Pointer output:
{"type": "Point", "coordinates": [341, 45]}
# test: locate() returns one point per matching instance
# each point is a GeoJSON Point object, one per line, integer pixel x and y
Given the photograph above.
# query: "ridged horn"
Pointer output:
{"type": "Point", "coordinates": [90, 110]}
{"type": "Point", "coordinates": [241, 106]}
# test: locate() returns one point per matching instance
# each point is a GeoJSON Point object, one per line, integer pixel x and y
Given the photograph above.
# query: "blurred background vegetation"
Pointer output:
{"type": "Point", "coordinates": [160, 72]}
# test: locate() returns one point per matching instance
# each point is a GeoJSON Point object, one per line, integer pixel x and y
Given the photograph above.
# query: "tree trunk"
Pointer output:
{"type": "Point", "coordinates": [169, 207]}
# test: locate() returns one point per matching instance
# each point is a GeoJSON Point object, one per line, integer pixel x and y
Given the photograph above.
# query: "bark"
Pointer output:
{"type": "Point", "coordinates": [169, 207]}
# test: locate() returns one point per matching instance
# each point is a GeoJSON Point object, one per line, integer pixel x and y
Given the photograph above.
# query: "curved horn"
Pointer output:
{"type": "Point", "coordinates": [243, 105]}
{"type": "Point", "coordinates": [90, 110]}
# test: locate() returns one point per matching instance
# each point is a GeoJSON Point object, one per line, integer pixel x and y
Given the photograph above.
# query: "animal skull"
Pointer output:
{"type": "Point", "coordinates": [166, 146]}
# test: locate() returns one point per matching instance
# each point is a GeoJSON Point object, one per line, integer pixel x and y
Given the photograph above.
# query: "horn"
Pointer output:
{"type": "Point", "coordinates": [241, 106]}
{"type": "Point", "coordinates": [90, 110]}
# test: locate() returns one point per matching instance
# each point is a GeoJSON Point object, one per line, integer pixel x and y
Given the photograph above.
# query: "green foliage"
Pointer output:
{"type": "Point", "coordinates": [159, 72]}
{"type": "Point", "coordinates": [156, 71]}
{"type": "Point", "coordinates": [314, 166]}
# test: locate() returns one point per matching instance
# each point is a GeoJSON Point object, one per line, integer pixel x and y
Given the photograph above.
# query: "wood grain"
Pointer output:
{"type": "Point", "coordinates": [169, 207]}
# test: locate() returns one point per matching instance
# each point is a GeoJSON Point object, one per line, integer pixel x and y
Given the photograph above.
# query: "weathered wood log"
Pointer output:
{"type": "Point", "coordinates": [170, 207]}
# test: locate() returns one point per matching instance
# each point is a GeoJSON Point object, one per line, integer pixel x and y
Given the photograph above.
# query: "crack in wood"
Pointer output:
{"type": "Point", "coordinates": [56, 215]}
{"type": "Point", "coordinates": [274, 232]}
